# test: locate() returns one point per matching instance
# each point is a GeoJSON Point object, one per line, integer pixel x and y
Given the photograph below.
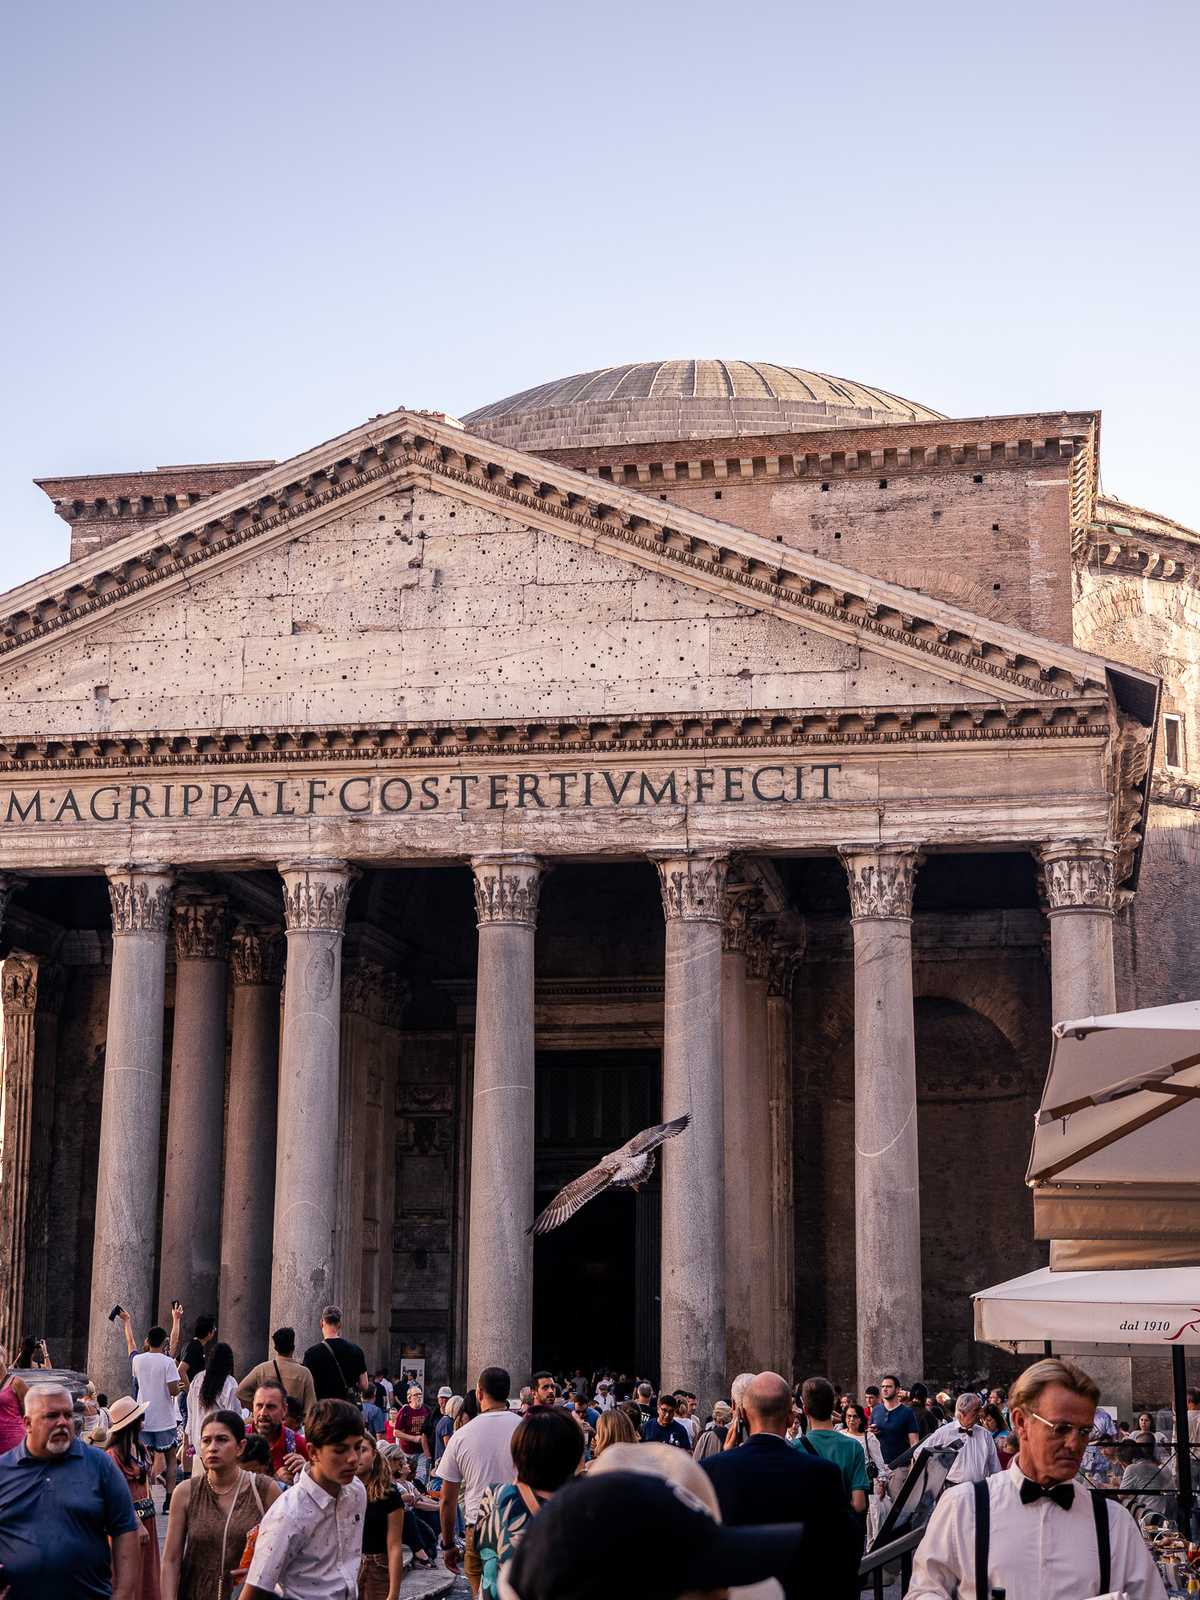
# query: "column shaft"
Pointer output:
{"type": "Point", "coordinates": [191, 1223]}
{"type": "Point", "coordinates": [248, 1199]}
{"type": "Point", "coordinates": [739, 1253]}
{"type": "Point", "coordinates": [19, 980]}
{"type": "Point", "coordinates": [123, 1250]}
{"type": "Point", "coordinates": [782, 1159]}
{"type": "Point", "coordinates": [1080, 884]}
{"type": "Point", "coordinates": [886, 1170]}
{"type": "Point", "coordinates": [754, 1164]}
{"type": "Point", "coordinates": [314, 899]}
{"type": "Point", "coordinates": [693, 1184]}
{"type": "Point", "coordinates": [500, 1273]}
{"type": "Point", "coordinates": [1081, 900]}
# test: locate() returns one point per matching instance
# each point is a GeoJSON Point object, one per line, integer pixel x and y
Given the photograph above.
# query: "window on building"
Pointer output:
{"type": "Point", "coordinates": [1173, 741]}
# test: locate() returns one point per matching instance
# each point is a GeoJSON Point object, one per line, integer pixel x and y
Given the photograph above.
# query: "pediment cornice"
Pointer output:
{"type": "Point", "coordinates": [407, 448]}
{"type": "Point", "coordinates": [811, 728]}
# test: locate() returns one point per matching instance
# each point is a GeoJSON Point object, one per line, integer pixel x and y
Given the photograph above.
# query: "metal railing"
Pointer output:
{"type": "Point", "coordinates": [871, 1566]}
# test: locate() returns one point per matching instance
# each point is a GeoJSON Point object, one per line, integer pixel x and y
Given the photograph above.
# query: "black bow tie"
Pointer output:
{"type": "Point", "coordinates": [1063, 1494]}
{"type": "Point", "coordinates": [966, 1432]}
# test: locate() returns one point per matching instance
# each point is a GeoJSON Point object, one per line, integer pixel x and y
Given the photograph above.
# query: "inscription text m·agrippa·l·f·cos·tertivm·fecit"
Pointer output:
{"type": "Point", "coordinates": [385, 794]}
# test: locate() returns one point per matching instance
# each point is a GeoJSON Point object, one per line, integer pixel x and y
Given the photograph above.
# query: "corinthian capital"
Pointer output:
{"type": "Point", "coordinates": [693, 887]}
{"type": "Point", "coordinates": [783, 960]}
{"type": "Point", "coordinates": [200, 929]}
{"type": "Point", "coordinates": [141, 899]}
{"type": "Point", "coordinates": [19, 982]}
{"type": "Point", "coordinates": [315, 895]}
{"type": "Point", "coordinates": [1080, 875]}
{"type": "Point", "coordinates": [740, 900]}
{"type": "Point", "coordinates": [506, 890]}
{"type": "Point", "coordinates": [256, 955]}
{"type": "Point", "coordinates": [881, 881]}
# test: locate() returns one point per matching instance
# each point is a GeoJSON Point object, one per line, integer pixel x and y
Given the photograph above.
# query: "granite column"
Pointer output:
{"type": "Point", "coordinates": [781, 1256]}
{"type": "Point", "coordinates": [753, 1160]}
{"type": "Point", "coordinates": [31, 987]}
{"type": "Point", "coordinates": [886, 1173]}
{"type": "Point", "coordinates": [500, 1265]}
{"type": "Point", "coordinates": [693, 1165]}
{"type": "Point", "coordinates": [189, 1264]}
{"type": "Point", "coordinates": [740, 1259]}
{"type": "Point", "coordinates": [248, 1198]}
{"type": "Point", "coordinates": [1080, 885]}
{"type": "Point", "coordinates": [315, 894]}
{"type": "Point", "coordinates": [1080, 903]}
{"type": "Point", "coordinates": [126, 1234]}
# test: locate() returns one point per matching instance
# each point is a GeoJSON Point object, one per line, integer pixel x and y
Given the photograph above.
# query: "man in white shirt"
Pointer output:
{"type": "Point", "coordinates": [156, 1382]}
{"type": "Point", "coordinates": [977, 1459]}
{"type": "Point", "coordinates": [309, 1543]}
{"type": "Point", "coordinates": [1044, 1536]}
{"type": "Point", "coordinates": [478, 1457]}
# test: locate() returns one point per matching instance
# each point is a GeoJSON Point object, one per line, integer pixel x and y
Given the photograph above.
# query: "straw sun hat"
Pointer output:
{"type": "Point", "coordinates": [122, 1414]}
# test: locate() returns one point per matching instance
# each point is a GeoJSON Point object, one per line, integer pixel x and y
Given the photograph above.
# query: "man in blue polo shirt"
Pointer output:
{"type": "Point", "coordinates": [61, 1501]}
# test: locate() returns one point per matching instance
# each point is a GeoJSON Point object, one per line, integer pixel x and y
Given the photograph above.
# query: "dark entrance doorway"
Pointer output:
{"type": "Point", "coordinates": [595, 1279]}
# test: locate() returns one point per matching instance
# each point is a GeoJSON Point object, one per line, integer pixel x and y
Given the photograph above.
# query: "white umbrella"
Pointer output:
{"type": "Point", "coordinates": [1114, 1165]}
{"type": "Point", "coordinates": [1084, 1311]}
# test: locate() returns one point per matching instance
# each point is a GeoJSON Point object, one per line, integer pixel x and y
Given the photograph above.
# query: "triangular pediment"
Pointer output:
{"type": "Point", "coordinates": [728, 607]}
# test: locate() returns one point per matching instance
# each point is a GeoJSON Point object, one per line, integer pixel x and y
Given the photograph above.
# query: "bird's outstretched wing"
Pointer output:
{"type": "Point", "coordinates": [650, 1138]}
{"type": "Point", "coordinates": [577, 1193]}
{"type": "Point", "coordinates": [598, 1178]}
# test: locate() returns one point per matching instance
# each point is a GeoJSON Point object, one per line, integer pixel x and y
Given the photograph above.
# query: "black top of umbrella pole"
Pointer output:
{"type": "Point", "coordinates": [1183, 1454]}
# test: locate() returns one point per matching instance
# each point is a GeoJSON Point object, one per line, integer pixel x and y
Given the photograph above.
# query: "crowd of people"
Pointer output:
{"type": "Point", "coordinates": [314, 1478]}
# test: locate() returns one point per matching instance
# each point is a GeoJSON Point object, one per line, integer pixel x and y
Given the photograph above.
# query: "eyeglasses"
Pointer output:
{"type": "Point", "coordinates": [1067, 1430]}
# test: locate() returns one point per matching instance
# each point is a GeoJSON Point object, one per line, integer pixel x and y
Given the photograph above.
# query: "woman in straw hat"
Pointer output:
{"type": "Point", "coordinates": [213, 1514]}
{"type": "Point", "coordinates": [123, 1442]}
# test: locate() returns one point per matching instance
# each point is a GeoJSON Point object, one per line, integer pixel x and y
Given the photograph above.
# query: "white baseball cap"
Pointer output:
{"type": "Point", "coordinates": [445, 1392]}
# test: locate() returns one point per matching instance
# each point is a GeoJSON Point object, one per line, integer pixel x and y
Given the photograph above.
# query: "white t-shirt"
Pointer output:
{"type": "Point", "coordinates": [227, 1400]}
{"type": "Point", "coordinates": [479, 1456]}
{"type": "Point", "coordinates": [153, 1370]}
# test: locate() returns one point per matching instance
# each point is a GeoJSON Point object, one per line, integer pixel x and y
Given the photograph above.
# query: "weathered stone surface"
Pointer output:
{"type": "Point", "coordinates": [248, 1192]}
{"type": "Point", "coordinates": [302, 1273]}
{"type": "Point", "coordinates": [189, 1261]}
{"type": "Point", "coordinates": [126, 1234]}
{"type": "Point", "coordinates": [693, 1225]}
{"type": "Point", "coordinates": [886, 1169]}
{"type": "Point", "coordinates": [500, 1291]}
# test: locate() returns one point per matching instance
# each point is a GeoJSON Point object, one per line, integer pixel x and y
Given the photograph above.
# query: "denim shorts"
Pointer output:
{"type": "Point", "coordinates": [160, 1440]}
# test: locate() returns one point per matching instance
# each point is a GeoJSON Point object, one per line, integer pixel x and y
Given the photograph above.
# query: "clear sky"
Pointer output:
{"type": "Point", "coordinates": [233, 230]}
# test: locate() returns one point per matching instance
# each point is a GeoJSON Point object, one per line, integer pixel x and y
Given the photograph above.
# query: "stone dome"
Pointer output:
{"type": "Point", "coordinates": [664, 400]}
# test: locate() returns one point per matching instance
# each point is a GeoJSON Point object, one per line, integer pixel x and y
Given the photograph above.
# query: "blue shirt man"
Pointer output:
{"type": "Point", "coordinates": [664, 1429]}
{"type": "Point", "coordinates": [60, 1503]}
{"type": "Point", "coordinates": [894, 1424]}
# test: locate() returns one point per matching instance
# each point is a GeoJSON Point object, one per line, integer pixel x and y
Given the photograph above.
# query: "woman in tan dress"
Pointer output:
{"type": "Point", "coordinates": [212, 1514]}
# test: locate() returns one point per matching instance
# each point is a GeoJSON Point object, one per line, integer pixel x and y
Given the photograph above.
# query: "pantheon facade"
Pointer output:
{"type": "Point", "coordinates": [389, 832]}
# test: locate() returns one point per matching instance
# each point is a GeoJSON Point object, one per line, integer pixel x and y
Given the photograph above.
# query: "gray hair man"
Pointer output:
{"type": "Point", "coordinates": [1033, 1530]}
{"type": "Point", "coordinates": [62, 1503]}
{"type": "Point", "coordinates": [976, 1458]}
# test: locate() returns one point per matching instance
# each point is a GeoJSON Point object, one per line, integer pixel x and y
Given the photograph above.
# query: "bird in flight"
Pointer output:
{"type": "Point", "coordinates": [626, 1168]}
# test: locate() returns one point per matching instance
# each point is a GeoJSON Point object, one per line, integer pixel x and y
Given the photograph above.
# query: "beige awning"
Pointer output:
{"type": "Point", "coordinates": [1115, 1165]}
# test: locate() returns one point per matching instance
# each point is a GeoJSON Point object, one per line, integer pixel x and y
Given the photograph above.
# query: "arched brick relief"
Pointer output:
{"type": "Point", "coordinates": [975, 1104]}
{"type": "Point", "coordinates": [1000, 991]}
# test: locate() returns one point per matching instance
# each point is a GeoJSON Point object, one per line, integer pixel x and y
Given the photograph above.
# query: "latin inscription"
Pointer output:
{"type": "Point", "coordinates": [395, 794]}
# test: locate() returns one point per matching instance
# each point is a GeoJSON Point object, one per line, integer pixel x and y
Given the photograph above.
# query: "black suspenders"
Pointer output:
{"type": "Point", "coordinates": [1104, 1549]}
{"type": "Point", "coordinates": [983, 1537]}
{"type": "Point", "coordinates": [983, 1531]}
